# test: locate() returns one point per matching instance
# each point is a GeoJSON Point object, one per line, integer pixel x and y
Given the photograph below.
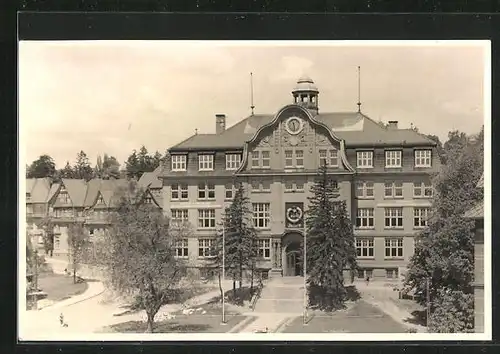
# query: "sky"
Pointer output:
{"type": "Point", "coordinates": [114, 96]}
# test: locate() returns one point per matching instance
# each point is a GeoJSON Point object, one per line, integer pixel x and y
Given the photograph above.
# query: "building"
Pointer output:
{"type": "Point", "coordinates": [383, 174]}
{"type": "Point", "coordinates": [477, 214]}
{"type": "Point", "coordinates": [75, 200]}
{"type": "Point", "coordinates": [37, 193]}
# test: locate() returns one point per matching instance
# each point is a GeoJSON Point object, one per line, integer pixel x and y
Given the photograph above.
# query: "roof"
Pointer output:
{"type": "Point", "coordinates": [53, 190]}
{"type": "Point", "coordinates": [39, 189]}
{"type": "Point", "coordinates": [355, 128]}
{"type": "Point", "coordinates": [476, 212]}
{"type": "Point", "coordinates": [77, 190]}
{"type": "Point", "coordinates": [150, 179]}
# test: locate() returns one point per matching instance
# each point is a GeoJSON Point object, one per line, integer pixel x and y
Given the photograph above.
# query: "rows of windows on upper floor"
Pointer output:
{"type": "Point", "coordinates": [294, 158]}
{"type": "Point", "coordinates": [261, 217]}
{"type": "Point", "coordinates": [364, 190]}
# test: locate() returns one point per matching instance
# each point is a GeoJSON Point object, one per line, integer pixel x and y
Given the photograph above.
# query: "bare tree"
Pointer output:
{"type": "Point", "coordinates": [78, 242]}
{"type": "Point", "coordinates": [141, 257]}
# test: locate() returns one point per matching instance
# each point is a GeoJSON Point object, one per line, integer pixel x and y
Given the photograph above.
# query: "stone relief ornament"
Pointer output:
{"type": "Point", "coordinates": [265, 141]}
{"type": "Point", "coordinates": [294, 214]}
{"type": "Point", "coordinates": [322, 140]}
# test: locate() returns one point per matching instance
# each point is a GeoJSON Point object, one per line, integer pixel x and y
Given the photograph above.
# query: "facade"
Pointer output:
{"type": "Point", "coordinates": [90, 203]}
{"type": "Point", "coordinates": [477, 214]}
{"type": "Point", "coordinates": [37, 193]}
{"type": "Point", "coordinates": [383, 174]}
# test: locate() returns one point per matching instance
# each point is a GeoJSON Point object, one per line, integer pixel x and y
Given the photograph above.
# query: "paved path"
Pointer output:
{"type": "Point", "coordinates": [266, 322]}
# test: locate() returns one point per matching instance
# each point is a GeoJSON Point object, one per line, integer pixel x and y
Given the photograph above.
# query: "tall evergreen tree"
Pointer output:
{"type": "Point", "coordinates": [107, 167]}
{"type": "Point", "coordinates": [240, 239]}
{"type": "Point", "coordinates": [82, 169]}
{"type": "Point", "coordinates": [444, 250]}
{"type": "Point", "coordinates": [67, 171]}
{"type": "Point", "coordinates": [42, 167]}
{"type": "Point", "coordinates": [132, 166]}
{"type": "Point", "coordinates": [330, 244]}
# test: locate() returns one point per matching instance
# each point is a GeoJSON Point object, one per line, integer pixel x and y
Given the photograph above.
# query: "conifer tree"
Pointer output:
{"type": "Point", "coordinates": [330, 244]}
{"type": "Point", "coordinates": [240, 239]}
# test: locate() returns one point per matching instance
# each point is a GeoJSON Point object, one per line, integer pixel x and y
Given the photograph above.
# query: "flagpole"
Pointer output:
{"type": "Point", "coordinates": [304, 260]}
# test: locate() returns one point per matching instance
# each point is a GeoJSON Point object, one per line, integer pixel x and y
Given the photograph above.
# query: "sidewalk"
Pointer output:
{"type": "Point", "coordinates": [94, 289]}
{"type": "Point", "coordinates": [271, 321]}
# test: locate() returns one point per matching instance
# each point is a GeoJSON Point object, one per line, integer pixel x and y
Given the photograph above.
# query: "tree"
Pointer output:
{"type": "Point", "coordinates": [107, 167]}
{"type": "Point", "coordinates": [47, 225]}
{"type": "Point", "coordinates": [330, 244]}
{"type": "Point", "coordinates": [240, 239]}
{"type": "Point", "coordinates": [132, 166]}
{"type": "Point", "coordinates": [67, 171]}
{"type": "Point", "coordinates": [78, 243]}
{"type": "Point", "coordinates": [439, 147]}
{"type": "Point", "coordinates": [444, 250]}
{"type": "Point", "coordinates": [43, 167]}
{"type": "Point", "coordinates": [82, 167]}
{"type": "Point", "coordinates": [156, 160]}
{"type": "Point", "coordinates": [141, 258]}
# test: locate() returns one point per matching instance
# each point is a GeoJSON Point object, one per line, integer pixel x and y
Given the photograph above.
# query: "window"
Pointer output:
{"type": "Point", "coordinates": [260, 186]}
{"type": "Point", "coordinates": [393, 218]}
{"type": "Point", "coordinates": [288, 186]}
{"type": "Point", "coordinates": [364, 218]}
{"type": "Point", "coordinates": [233, 161]}
{"type": "Point", "coordinates": [365, 273]}
{"type": "Point", "coordinates": [255, 159]}
{"type": "Point", "coordinates": [393, 158]}
{"type": "Point", "coordinates": [63, 197]}
{"type": "Point", "coordinates": [206, 218]}
{"type": "Point", "coordinates": [205, 162]}
{"type": "Point", "coordinates": [179, 191]}
{"type": "Point", "coordinates": [264, 248]}
{"type": "Point", "coordinates": [179, 216]}
{"type": "Point", "coordinates": [206, 191]}
{"type": "Point", "coordinates": [148, 199]}
{"type": "Point", "coordinates": [100, 200]}
{"type": "Point", "coordinates": [229, 191]}
{"type": "Point", "coordinates": [294, 158]}
{"type": "Point", "coordinates": [261, 215]}
{"type": "Point", "coordinates": [420, 216]}
{"type": "Point", "coordinates": [391, 273]}
{"type": "Point", "coordinates": [181, 248]}
{"type": "Point", "coordinates": [299, 158]}
{"type": "Point", "coordinates": [364, 190]}
{"type": "Point", "coordinates": [393, 248]}
{"type": "Point", "coordinates": [288, 158]}
{"type": "Point", "coordinates": [29, 209]}
{"type": "Point", "coordinates": [28, 197]}
{"type": "Point", "coordinates": [423, 158]}
{"type": "Point", "coordinates": [299, 186]}
{"type": "Point", "coordinates": [205, 246]}
{"type": "Point", "coordinates": [266, 159]}
{"type": "Point", "coordinates": [422, 190]}
{"type": "Point", "coordinates": [364, 248]}
{"type": "Point", "coordinates": [57, 242]}
{"type": "Point", "coordinates": [365, 159]}
{"type": "Point", "coordinates": [179, 162]}
{"type": "Point", "coordinates": [393, 190]}
{"type": "Point", "coordinates": [329, 157]}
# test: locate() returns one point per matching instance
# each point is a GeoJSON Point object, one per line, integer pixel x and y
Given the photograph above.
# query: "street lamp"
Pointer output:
{"type": "Point", "coordinates": [223, 274]}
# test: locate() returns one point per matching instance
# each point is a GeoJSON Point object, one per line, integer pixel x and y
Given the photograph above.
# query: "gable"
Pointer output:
{"type": "Point", "coordinates": [293, 137]}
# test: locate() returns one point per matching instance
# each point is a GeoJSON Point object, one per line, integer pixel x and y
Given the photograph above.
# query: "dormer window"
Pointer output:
{"type": "Point", "coordinates": [393, 158]}
{"type": "Point", "coordinates": [233, 161]}
{"type": "Point", "coordinates": [206, 162]}
{"type": "Point", "coordinates": [148, 200]}
{"type": "Point", "coordinates": [365, 159]}
{"type": "Point", "coordinates": [179, 162]}
{"type": "Point", "coordinates": [423, 158]}
{"type": "Point", "coordinates": [100, 200]}
{"type": "Point", "coordinates": [63, 197]}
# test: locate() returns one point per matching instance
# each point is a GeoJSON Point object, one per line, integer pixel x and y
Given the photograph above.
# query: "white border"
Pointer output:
{"type": "Point", "coordinates": [487, 335]}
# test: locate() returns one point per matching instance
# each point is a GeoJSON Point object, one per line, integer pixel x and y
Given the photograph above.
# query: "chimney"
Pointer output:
{"type": "Point", "coordinates": [393, 125]}
{"type": "Point", "coordinates": [220, 123]}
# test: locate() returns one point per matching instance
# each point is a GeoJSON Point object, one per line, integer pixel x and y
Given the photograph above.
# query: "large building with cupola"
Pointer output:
{"type": "Point", "coordinates": [382, 172]}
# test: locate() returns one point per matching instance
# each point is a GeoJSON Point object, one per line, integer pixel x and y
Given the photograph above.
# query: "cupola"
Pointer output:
{"type": "Point", "coordinates": [306, 93]}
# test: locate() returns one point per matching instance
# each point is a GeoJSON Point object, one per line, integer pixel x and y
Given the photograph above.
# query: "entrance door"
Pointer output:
{"type": "Point", "coordinates": [291, 262]}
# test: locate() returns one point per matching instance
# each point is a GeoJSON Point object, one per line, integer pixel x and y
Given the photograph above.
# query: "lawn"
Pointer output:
{"type": "Point", "coordinates": [180, 324]}
{"type": "Point", "coordinates": [360, 318]}
{"type": "Point", "coordinates": [60, 287]}
{"type": "Point", "coordinates": [418, 312]}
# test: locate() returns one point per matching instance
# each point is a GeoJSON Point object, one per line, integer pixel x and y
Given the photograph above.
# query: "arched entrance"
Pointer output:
{"type": "Point", "coordinates": [292, 254]}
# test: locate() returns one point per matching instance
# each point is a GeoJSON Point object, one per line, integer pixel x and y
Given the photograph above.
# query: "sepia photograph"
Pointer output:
{"type": "Point", "coordinates": [254, 190]}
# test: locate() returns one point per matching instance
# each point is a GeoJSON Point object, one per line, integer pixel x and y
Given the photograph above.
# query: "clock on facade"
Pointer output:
{"type": "Point", "coordinates": [294, 125]}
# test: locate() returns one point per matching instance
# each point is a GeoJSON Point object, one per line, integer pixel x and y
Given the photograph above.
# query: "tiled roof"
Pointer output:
{"type": "Point", "coordinates": [77, 190]}
{"type": "Point", "coordinates": [355, 128]}
{"type": "Point", "coordinates": [39, 189]}
{"type": "Point", "coordinates": [476, 212]}
{"type": "Point", "coordinates": [150, 179]}
{"type": "Point", "coordinates": [53, 190]}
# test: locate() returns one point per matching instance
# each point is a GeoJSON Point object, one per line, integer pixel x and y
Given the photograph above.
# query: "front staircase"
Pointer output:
{"type": "Point", "coordinates": [282, 295]}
